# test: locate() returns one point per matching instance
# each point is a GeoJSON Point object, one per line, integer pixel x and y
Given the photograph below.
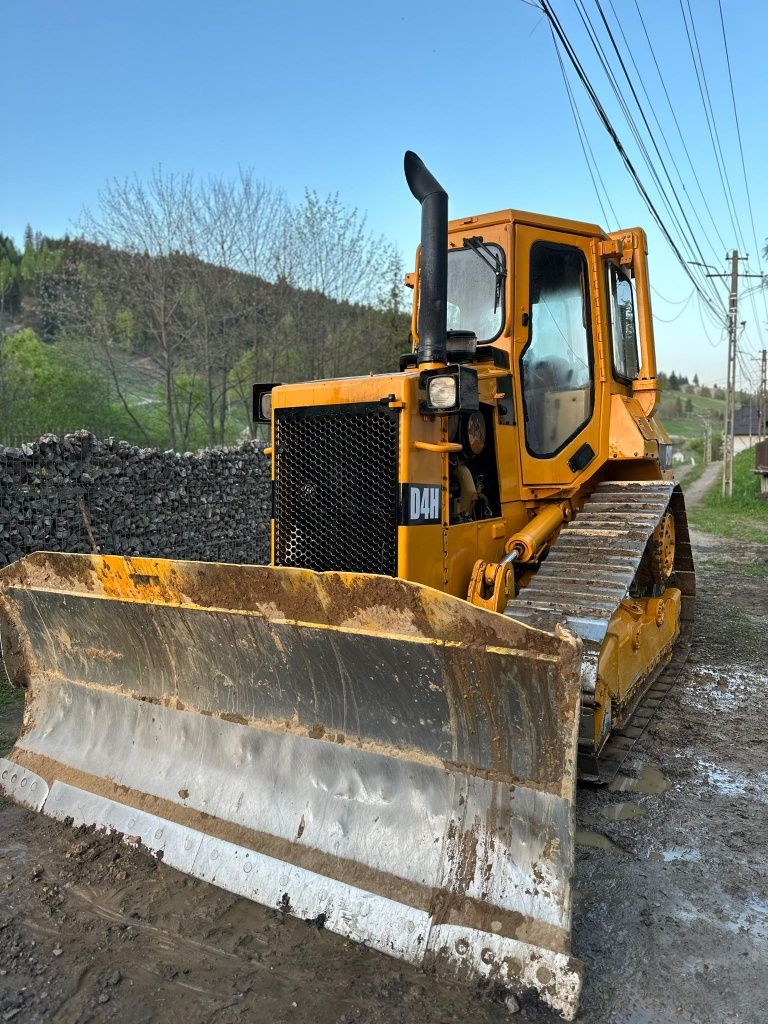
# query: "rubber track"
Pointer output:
{"type": "Point", "coordinates": [589, 573]}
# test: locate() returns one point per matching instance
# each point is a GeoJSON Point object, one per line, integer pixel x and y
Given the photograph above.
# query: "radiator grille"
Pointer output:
{"type": "Point", "coordinates": [336, 488]}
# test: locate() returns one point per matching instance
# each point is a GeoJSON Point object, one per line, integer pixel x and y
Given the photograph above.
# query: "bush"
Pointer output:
{"type": "Point", "coordinates": [44, 389]}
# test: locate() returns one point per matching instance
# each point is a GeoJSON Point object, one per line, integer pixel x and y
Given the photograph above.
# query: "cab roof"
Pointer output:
{"type": "Point", "coordinates": [540, 220]}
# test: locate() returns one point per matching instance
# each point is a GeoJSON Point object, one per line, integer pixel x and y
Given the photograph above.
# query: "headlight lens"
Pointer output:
{"type": "Point", "coordinates": [266, 406]}
{"type": "Point", "coordinates": [441, 392]}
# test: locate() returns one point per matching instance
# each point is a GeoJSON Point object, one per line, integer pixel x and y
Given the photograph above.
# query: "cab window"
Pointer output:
{"type": "Point", "coordinates": [626, 360]}
{"type": "Point", "coordinates": [556, 364]}
{"type": "Point", "coordinates": [475, 290]}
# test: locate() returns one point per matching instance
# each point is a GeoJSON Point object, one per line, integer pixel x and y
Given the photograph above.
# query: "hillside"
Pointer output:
{"type": "Point", "coordinates": [163, 350]}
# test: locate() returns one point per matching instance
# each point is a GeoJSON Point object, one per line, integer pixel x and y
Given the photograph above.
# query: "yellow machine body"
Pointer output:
{"type": "Point", "coordinates": [479, 565]}
{"type": "Point", "coordinates": [624, 437]}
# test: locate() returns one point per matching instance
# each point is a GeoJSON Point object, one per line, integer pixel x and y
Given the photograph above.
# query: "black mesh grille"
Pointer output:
{"type": "Point", "coordinates": [336, 488]}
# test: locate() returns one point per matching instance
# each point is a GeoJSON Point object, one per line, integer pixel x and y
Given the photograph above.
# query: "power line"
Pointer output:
{"type": "Point", "coordinates": [584, 140]}
{"type": "Point", "coordinates": [689, 243]}
{"type": "Point", "coordinates": [655, 117]}
{"type": "Point", "coordinates": [672, 302]}
{"type": "Point", "coordinates": [677, 125]}
{"type": "Point", "coordinates": [707, 335]}
{"type": "Point", "coordinates": [710, 119]}
{"type": "Point", "coordinates": [609, 127]}
{"type": "Point", "coordinates": [677, 315]}
{"type": "Point", "coordinates": [648, 128]}
{"type": "Point", "coordinates": [743, 167]}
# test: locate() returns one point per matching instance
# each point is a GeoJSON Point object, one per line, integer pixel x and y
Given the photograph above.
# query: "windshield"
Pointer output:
{"type": "Point", "coordinates": [474, 303]}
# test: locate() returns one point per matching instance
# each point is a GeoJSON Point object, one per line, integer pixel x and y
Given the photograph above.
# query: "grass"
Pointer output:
{"type": "Point", "coordinates": [688, 426]}
{"type": "Point", "coordinates": [692, 474]}
{"type": "Point", "coordinates": [742, 517]}
{"type": "Point", "coordinates": [751, 569]}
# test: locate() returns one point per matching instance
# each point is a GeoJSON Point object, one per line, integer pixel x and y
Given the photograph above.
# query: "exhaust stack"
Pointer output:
{"type": "Point", "coordinates": [433, 285]}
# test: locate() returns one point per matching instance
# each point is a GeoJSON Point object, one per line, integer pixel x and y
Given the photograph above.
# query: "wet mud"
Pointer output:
{"type": "Point", "coordinates": [671, 904]}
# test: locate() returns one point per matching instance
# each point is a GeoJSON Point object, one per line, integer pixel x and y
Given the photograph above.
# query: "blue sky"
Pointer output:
{"type": "Point", "coordinates": [330, 95]}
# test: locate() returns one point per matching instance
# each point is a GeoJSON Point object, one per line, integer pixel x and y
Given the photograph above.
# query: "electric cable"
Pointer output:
{"type": "Point", "coordinates": [723, 329]}
{"type": "Point", "coordinates": [677, 315]}
{"type": "Point", "coordinates": [628, 163]}
{"type": "Point", "coordinates": [743, 163]}
{"type": "Point", "coordinates": [711, 125]}
{"type": "Point", "coordinates": [584, 140]}
{"type": "Point", "coordinates": [677, 125]}
{"type": "Point", "coordinates": [632, 124]}
{"type": "Point", "coordinates": [651, 136]}
{"type": "Point", "coordinates": [662, 133]}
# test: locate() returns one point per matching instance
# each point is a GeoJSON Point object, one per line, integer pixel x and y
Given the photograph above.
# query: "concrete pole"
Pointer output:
{"type": "Point", "coordinates": [763, 402]}
{"type": "Point", "coordinates": [730, 388]}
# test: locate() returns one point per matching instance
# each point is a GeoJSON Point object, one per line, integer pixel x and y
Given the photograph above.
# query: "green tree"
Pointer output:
{"type": "Point", "coordinates": [43, 389]}
{"type": "Point", "coordinates": [10, 259]}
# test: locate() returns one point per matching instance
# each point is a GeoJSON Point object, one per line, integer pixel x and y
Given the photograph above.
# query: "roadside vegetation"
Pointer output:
{"type": "Point", "coordinates": [687, 411]}
{"type": "Point", "coordinates": [742, 517]}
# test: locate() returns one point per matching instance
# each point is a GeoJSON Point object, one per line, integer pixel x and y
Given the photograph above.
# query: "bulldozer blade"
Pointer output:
{"type": "Point", "coordinates": [367, 753]}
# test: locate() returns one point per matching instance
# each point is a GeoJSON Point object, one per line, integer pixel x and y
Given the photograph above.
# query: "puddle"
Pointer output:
{"type": "Point", "coordinates": [622, 812]}
{"type": "Point", "coordinates": [589, 819]}
{"type": "Point", "coordinates": [754, 919]}
{"type": "Point", "coordinates": [598, 841]}
{"type": "Point", "coordinates": [730, 784]}
{"type": "Point", "coordinates": [674, 854]}
{"type": "Point", "coordinates": [650, 780]}
{"type": "Point", "coordinates": [725, 690]}
{"type": "Point", "coordinates": [751, 920]}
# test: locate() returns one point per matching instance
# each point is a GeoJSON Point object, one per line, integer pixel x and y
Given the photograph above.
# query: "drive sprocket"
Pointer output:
{"type": "Point", "coordinates": [661, 550]}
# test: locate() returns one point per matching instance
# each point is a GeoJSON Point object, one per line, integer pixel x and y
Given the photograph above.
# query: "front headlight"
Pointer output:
{"type": "Point", "coordinates": [441, 392]}
{"type": "Point", "coordinates": [262, 402]}
{"type": "Point", "coordinates": [449, 389]}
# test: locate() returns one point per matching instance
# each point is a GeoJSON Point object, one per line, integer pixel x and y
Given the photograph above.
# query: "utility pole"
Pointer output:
{"type": "Point", "coordinates": [730, 386]}
{"type": "Point", "coordinates": [762, 404]}
{"type": "Point", "coordinates": [707, 456]}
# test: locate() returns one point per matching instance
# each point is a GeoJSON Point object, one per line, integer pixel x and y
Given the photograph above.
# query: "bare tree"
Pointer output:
{"type": "Point", "coordinates": [153, 225]}
{"type": "Point", "coordinates": [226, 284]}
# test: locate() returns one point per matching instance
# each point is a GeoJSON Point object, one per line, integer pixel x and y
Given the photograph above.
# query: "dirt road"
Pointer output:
{"type": "Point", "coordinates": [699, 488]}
{"type": "Point", "coordinates": [671, 914]}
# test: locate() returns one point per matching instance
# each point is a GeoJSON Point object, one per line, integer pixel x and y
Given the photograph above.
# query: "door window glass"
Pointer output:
{"type": "Point", "coordinates": [557, 361]}
{"type": "Point", "coordinates": [626, 361]}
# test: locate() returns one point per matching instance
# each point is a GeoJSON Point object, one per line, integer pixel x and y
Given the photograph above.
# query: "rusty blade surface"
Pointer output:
{"type": "Point", "coordinates": [353, 748]}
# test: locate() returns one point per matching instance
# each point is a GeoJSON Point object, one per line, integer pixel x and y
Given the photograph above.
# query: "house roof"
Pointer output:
{"type": "Point", "coordinates": [746, 421]}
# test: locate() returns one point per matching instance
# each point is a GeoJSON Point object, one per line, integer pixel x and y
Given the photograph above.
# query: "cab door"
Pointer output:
{"type": "Point", "coordinates": [556, 354]}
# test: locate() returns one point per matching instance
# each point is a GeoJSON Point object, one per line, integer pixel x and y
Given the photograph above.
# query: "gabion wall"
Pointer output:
{"type": "Point", "coordinates": [76, 493]}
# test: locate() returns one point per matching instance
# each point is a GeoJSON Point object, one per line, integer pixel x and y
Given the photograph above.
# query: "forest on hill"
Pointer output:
{"type": "Point", "coordinates": [175, 296]}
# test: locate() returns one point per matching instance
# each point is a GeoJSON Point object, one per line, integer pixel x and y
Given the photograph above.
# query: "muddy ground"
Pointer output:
{"type": "Point", "coordinates": [671, 912]}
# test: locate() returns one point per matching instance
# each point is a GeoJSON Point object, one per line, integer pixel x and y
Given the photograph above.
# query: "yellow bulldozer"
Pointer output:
{"type": "Point", "coordinates": [481, 586]}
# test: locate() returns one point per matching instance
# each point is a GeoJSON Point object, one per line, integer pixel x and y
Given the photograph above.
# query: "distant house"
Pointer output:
{"type": "Point", "coordinates": [746, 427]}
{"type": "Point", "coordinates": [761, 466]}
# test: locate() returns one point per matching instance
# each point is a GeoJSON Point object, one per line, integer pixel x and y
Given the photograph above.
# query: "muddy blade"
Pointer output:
{"type": "Point", "coordinates": [354, 749]}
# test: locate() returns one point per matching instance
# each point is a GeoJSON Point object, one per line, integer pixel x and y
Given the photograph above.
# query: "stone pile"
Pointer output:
{"type": "Point", "coordinates": [76, 493]}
